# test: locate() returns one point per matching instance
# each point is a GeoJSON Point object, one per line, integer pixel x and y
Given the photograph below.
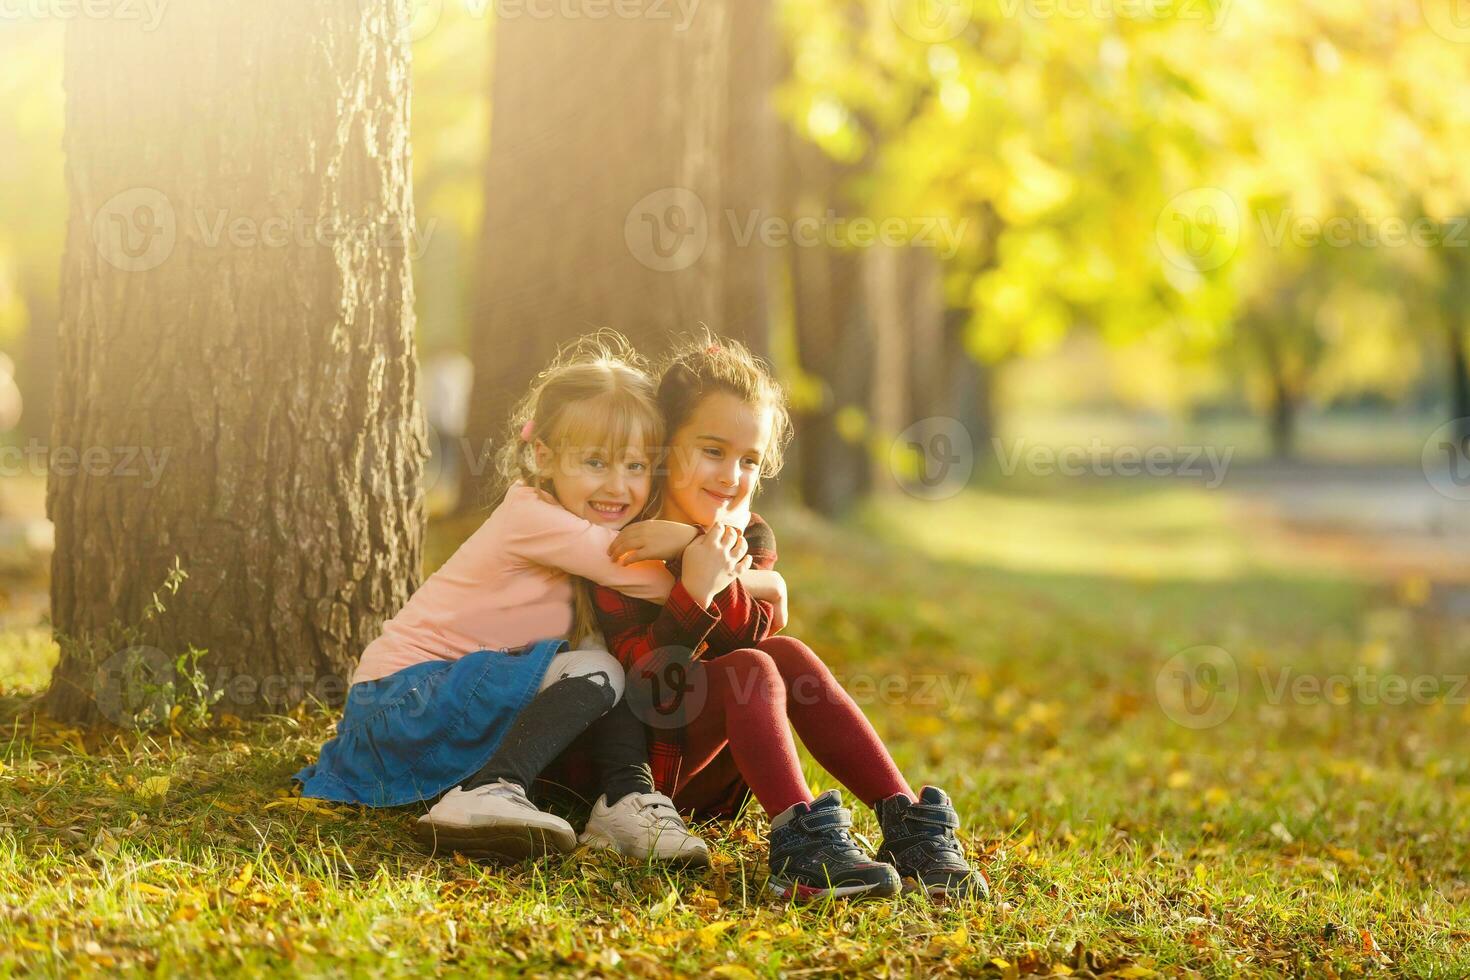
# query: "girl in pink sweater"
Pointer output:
{"type": "Point", "coordinates": [474, 686]}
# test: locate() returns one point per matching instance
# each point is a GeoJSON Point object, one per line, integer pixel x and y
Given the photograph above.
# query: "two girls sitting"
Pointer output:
{"type": "Point", "coordinates": [562, 619]}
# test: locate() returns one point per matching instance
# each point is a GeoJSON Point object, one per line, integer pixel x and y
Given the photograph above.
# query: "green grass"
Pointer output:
{"type": "Point", "coordinates": [1007, 648]}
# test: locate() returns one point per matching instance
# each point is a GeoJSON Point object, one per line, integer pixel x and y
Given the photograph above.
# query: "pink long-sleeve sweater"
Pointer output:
{"type": "Point", "coordinates": [508, 585]}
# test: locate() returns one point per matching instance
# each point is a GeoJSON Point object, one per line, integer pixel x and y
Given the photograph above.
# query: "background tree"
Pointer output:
{"type": "Point", "coordinates": [236, 302]}
{"type": "Point", "coordinates": [629, 156]}
{"type": "Point", "coordinates": [32, 202]}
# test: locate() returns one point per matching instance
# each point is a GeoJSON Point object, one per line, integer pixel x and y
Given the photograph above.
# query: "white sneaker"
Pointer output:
{"type": "Point", "coordinates": [644, 825]}
{"type": "Point", "coordinates": [493, 821]}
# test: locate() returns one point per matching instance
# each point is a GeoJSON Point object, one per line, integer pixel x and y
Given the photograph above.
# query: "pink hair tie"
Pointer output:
{"type": "Point", "coordinates": [713, 349]}
{"type": "Point", "coordinates": [527, 430]}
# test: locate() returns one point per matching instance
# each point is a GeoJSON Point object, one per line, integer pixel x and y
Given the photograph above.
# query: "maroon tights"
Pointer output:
{"type": "Point", "coordinates": [754, 698]}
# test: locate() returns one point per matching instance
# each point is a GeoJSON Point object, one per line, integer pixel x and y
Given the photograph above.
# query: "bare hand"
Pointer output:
{"type": "Point", "coordinates": [713, 561]}
{"type": "Point", "coordinates": [651, 540]}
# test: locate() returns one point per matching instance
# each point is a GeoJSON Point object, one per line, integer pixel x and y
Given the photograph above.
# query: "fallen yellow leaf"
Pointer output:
{"type": "Point", "coordinates": [154, 786]}
{"type": "Point", "coordinates": [710, 934]}
{"type": "Point", "coordinates": [242, 879]}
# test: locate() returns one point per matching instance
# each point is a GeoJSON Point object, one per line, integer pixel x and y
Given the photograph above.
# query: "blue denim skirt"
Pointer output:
{"type": "Point", "coordinates": [412, 735]}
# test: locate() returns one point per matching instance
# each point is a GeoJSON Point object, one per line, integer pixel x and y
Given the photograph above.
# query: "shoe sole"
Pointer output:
{"type": "Point", "coordinates": [941, 892]}
{"type": "Point", "coordinates": [807, 893]}
{"type": "Point", "coordinates": [495, 843]}
{"type": "Point", "coordinates": [600, 843]}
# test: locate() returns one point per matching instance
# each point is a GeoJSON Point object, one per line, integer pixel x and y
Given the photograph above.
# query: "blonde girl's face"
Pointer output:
{"type": "Point", "coordinates": [601, 484]}
{"type": "Point", "coordinates": [715, 459]}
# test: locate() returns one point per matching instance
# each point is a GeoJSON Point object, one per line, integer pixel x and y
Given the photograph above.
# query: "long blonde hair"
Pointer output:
{"type": "Point", "coordinates": [594, 393]}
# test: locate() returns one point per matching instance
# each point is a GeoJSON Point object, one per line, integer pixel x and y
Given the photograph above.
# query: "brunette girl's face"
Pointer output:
{"type": "Point", "coordinates": [602, 484]}
{"type": "Point", "coordinates": [715, 460]}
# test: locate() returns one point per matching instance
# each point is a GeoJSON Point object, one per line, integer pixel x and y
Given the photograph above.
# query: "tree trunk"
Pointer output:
{"type": "Point", "coordinates": [928, 378]}
{"type": "Point", "coordinates": [1283, 420]}
{"type": "Point", "coordinates": [1459, 367]}
{"type": "Point", "coordinates": [885, 278]}
{"type": "Point", "coordinates": [618, 146]}
{"type": "Point", "coordinates": [236, 350]}
{"type": "Point", "coordinates": [36, 373]}
{"type": "Point", "coordinates": [968, 385]}
{"type": "Point", "coordinates": [834, 346]}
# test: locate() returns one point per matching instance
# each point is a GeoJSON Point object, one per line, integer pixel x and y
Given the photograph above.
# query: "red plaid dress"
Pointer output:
{"type": "Point", "coordinates": [657, 646]}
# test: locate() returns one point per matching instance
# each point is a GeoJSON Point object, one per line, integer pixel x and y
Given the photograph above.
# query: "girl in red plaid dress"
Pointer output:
{"type": "Point", "coordinates": [719, 693]}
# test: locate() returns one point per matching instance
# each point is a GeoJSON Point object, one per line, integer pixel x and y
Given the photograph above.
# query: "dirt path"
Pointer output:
{"type": "Point", "coordinates": [1381, 522]}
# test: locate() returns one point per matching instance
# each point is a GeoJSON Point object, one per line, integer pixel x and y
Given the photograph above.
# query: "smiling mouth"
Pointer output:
{"type": "Point", "coordinates": [722, 498]}
{"type": "Point", "coordinates": [607, 510]}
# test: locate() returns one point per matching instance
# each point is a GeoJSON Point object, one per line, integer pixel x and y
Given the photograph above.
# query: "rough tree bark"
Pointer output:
{"type": "Point", "coordinates": [627, 156]}
{"type": "Point", "coordinates": [236, 348]}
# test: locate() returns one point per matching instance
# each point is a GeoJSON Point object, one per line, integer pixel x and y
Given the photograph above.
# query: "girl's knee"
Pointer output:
{"type": "Point", "coordinates": [750, 672]}
{"type": "Point", "coordinates": [791, 656]}
{"type": "Point", "coordinates": [598, 666]}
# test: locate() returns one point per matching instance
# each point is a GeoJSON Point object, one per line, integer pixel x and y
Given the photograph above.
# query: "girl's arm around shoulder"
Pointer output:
{"type": "Point", "coordinates": [768, 586]}
{"type": "Point", "coordinates": [652, 541]}
{"type": "Point", "coordinates": [762, 543]}
{"type": "Point", "coordinates": [544, 533]}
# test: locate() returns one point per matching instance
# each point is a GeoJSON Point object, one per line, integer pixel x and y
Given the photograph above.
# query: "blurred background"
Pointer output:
{"type": "Point", "coordinates": [1130, 493]}
{"type": "Point", "coordinates": [1029, 258]}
